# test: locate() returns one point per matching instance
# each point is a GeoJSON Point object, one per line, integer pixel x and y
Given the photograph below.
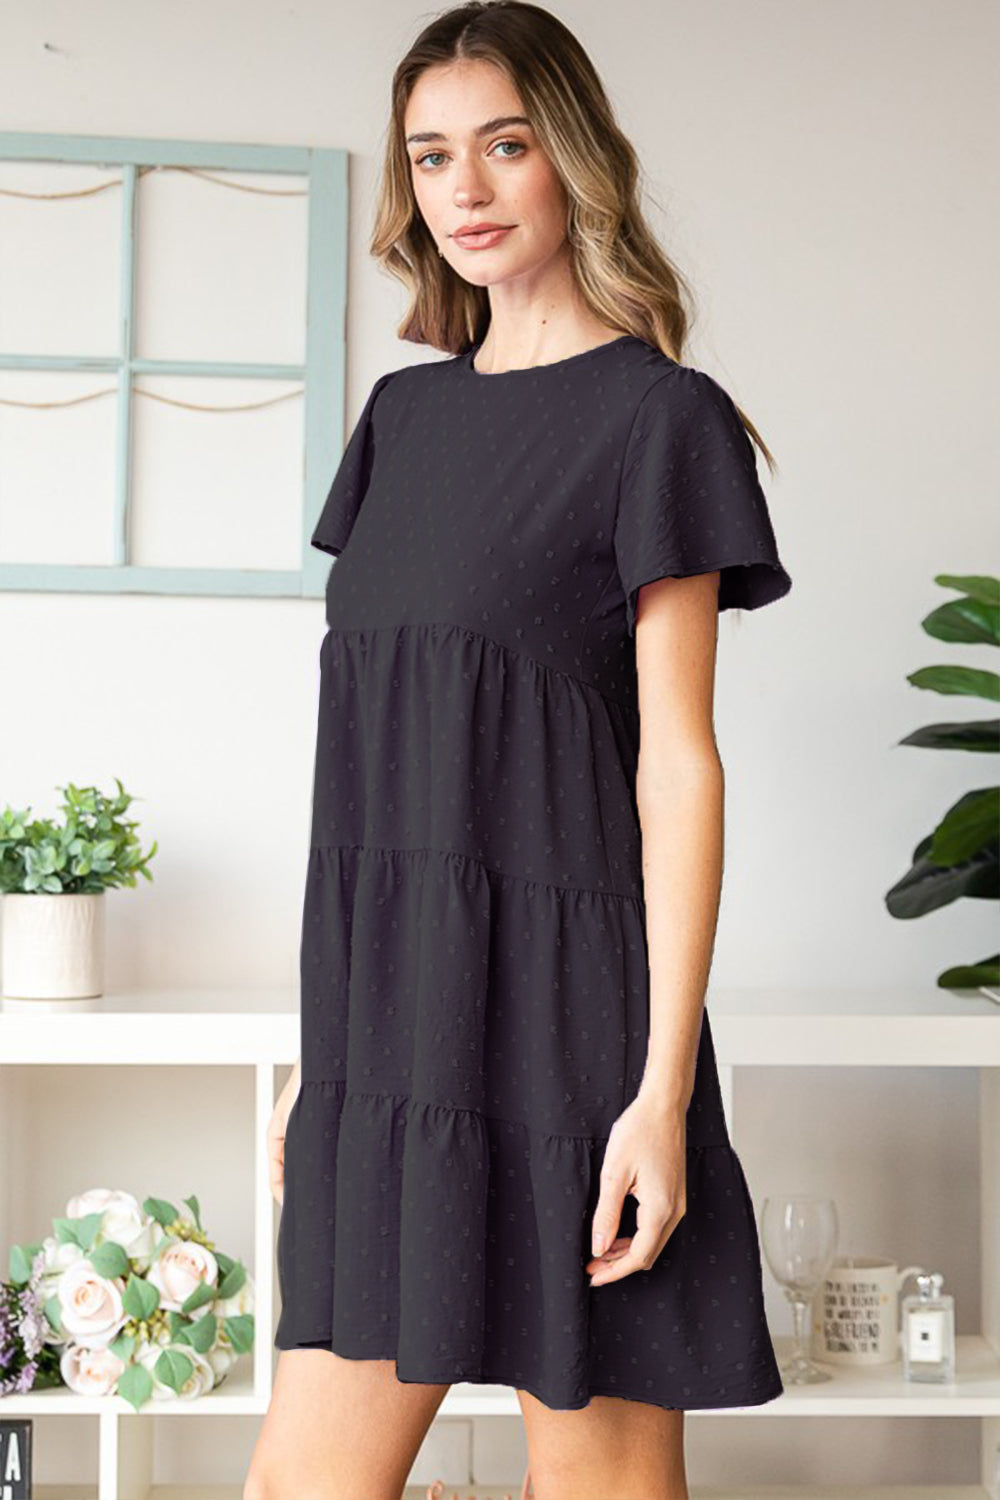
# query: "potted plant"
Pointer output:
{"type": "Point", "coordinates": [962, 855]}
{"type": "Point", "coordinates": [53, 878]}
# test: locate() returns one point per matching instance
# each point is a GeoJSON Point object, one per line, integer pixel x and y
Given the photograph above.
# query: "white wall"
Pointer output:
{"type": "Point", "coordinates": [823, 174]}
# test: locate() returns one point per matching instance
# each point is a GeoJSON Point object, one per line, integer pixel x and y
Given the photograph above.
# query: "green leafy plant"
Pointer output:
{"type": "Point", "coordinates": [95, 847]}
{"type": "Point", "coordinates": [962, 855]}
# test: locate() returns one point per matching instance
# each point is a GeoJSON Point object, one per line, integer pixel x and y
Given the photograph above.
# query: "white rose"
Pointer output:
{"type": "Point", "coordinates": [56, 1256]}
{"type": "Point", "coordinates": [198, 1383]}
{"type": "Point", "coordinates": [183, 1266]}
{"type": "Point", "coordinates": [222, 1359]}
{"type": "Point", "coordinates": [90, 1372]}
{"type": "Point", "coordinates": [96, 1200]}
{"type": "Point", "coordinates": [122, 1219]}
{"type": "Point", "coordinates": [90, 1306]}
{"type": "Point", "coordinates": [240, 1302]}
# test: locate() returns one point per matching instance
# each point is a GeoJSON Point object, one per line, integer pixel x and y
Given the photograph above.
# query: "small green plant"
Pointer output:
{"type": "Point", "coordinates": [962, 856]}
{"type": "Point", "coordinates": [95, 847]}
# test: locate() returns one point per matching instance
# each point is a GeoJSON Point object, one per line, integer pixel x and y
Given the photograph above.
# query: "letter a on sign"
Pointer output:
{"type": "Point", "coordinates": [15, 1459]}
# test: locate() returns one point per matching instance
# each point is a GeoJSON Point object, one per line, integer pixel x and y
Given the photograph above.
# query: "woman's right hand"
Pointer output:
{"type": "Point", "coordinates": [276, 1128]}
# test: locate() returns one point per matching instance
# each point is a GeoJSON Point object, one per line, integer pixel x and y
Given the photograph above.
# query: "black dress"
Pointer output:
{"type": "Point", "coordinates": [475, 983]}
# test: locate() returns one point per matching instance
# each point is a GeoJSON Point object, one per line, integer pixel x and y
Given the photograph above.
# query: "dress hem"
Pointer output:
{"type": "Point", "coordinates": [484, 1378]}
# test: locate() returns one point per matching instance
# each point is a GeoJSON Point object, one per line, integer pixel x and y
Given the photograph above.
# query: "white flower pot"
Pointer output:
{"type": "Point", "coordinates": [53, 945]}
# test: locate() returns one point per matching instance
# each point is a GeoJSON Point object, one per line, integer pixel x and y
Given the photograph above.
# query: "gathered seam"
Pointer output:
{"type": "Point", "coordinates": [543, 666]}
{"type": "Point", "coordinates": [462, 1109]}
{"type": "Point", "coordinates": [565, 890]}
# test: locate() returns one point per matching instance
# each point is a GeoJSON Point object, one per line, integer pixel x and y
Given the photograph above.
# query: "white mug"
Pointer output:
{"type": "Point", "coordinates": [855, 1313]}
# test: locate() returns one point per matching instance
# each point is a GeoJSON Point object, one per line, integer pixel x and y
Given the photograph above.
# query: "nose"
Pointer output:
{"type": "Point", "coordinates": [470, 185]}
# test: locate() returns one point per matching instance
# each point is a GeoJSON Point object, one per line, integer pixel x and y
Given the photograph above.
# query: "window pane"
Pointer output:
{"type": "Point", "coordinates": [59, 260]}
{"type": "Point", "coordinates": [217, 489]}
{"type": "Point", "coordinates": [57, 469]}
{"type": "Point", "coordinates": [221, 273]}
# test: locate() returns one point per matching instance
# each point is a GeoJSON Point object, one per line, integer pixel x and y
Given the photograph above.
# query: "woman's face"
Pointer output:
{"type": "Point", "coordinates": [464, 173]}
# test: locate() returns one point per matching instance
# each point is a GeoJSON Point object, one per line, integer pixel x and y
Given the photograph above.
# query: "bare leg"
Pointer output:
{"type": "Point", "coordinates": [339, 1429]}
{"type": "Point", "coordinates": [611, 1449]}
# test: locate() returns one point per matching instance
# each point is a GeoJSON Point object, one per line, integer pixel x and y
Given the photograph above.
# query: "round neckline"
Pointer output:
{"type": "Point", "coordinates": [552, 364]}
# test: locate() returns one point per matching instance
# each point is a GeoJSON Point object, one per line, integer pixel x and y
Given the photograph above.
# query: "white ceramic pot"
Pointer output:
{"type": "Point", "coordinates": [53, 945]}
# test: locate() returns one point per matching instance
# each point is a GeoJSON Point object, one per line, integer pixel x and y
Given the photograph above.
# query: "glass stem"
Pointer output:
{"type": "Point", "coordinates": [799, 1309]}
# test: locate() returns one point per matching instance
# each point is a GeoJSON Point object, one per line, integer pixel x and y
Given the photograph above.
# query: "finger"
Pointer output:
{"type": "Point", "coordinates": [608, 1213]}
{"type": "Point", "coordinates": [625, 1266]}
{"type": "Point", "coordinates": [614, 1252]}
{"type": "Point", "coordinates": [276, 1175]}
{"type": "Point", "coordinates": [646, 1245]}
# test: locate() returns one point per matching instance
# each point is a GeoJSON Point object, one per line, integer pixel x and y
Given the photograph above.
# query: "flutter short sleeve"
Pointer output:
{"type": "Point", "coordinates": [347, 491]}
{"type": "Point", "coordinates": [690, 500]}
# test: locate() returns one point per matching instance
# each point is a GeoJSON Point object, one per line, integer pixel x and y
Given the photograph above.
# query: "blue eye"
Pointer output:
{"type": "Point", "coordinates": [519, 149]}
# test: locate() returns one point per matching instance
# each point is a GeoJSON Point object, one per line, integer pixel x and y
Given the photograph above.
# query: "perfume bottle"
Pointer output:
{"type": "Point", "coordinates": [928, 1331]}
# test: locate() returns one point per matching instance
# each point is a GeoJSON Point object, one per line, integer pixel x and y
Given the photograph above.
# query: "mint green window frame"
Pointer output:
{"type": "Point", "coordinates": [322, 375]}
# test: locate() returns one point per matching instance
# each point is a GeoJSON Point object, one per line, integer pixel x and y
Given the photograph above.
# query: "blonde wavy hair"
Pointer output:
{"type": "Point", "coordinates": [622, 272]}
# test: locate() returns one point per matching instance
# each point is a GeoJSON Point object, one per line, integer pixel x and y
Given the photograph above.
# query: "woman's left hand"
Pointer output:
{"type": "Point", "coordinates": [645, 1156]}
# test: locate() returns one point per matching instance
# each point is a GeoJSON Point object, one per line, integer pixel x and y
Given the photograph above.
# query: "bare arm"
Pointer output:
{"type": "Point", "coordinates": [680, 800]}
{"type": "Point", "coordinates": [680, 793]}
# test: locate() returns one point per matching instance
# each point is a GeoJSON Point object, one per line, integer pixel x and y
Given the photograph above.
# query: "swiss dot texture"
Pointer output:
{"type": "Point", "coordinates": [474, 966]}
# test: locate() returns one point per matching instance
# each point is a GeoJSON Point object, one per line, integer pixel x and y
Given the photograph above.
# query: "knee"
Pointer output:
{"type": "Point", "coordinates": [257, 1486]}
{"type": "Point", "coordinates": [262, 1483]}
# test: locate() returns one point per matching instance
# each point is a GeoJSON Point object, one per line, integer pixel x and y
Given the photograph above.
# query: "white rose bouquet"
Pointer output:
{"type": "Point", "coordinates": [135, 1302]}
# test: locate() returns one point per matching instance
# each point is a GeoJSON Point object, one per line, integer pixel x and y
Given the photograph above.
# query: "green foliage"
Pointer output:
{"type": "Point", "coordinates": [140, 1299]}
{"type": "Point", "coordinates": [20, 1258]}
{"type": "Point", "coordinates": [136, 1385]}
{"type": "Point", "coordinates": [173, 1369]}
{"type": "Point", "coordinates": [961, 856]}
{"type": "Point", "coordinates": [240, 1328]}
{"type": "Point", "coordinates": [93, 848]}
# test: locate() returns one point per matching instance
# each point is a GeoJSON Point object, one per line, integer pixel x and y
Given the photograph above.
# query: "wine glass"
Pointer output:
{"type": "Point", "coordinates": [799, 1234]}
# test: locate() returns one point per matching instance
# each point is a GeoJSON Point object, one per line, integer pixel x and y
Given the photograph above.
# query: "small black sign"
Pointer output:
{"type": "Point", "coordinates": [15, 1459]}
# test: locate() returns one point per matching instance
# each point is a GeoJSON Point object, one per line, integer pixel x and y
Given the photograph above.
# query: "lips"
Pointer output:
{"type": "Point", "coordinates": [483, 236]}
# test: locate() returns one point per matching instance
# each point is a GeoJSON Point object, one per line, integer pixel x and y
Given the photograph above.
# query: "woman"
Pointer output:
{"type": "Point", "coordinates": [503, 1156]}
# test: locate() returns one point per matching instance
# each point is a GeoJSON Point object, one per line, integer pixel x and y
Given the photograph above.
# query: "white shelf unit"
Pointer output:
{"type": "Point", "coordinates": [790, 1028]}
